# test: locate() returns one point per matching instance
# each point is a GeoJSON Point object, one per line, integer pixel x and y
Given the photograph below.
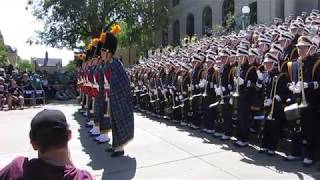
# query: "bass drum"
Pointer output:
{"type": "Point", "coordinates": [292, 112]}
{"type": "Point", "coordinates": [168, 111]}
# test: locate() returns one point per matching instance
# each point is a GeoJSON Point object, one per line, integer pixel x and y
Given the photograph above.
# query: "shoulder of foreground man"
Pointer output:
{"type": "Point", "coordinates": [14, 169]}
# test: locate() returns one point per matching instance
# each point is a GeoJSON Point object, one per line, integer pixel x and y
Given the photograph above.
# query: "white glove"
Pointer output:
{"type": "Point", "coordinates": [223, 89]}
{"type": "Point", "coordinates": [260, 75]}
{"type": "Point", "coordinates": [248, 83]}
{"type": "Point", "coordinates": [164, 91]}
{"type": "Point", "coordinates": [278, 98]}
{"type": "Point", "coordinates": [180, 97]}
{"type": "Point", "coordinates": [305, 85]}
{"type": "Point", "coordinates": [201, 84]}
{"type": "Point", "coordinates": [296, 90]}
{"type": "Point", "coordinates": [231, 101]}
{"type": "Point", "coordinates": [238, 80]}
{"type": "Point", "coordinates": [218, 92]}
{"type": "Point", "coordinates": [267, 102]}
{"type": "Point", "coordinates": [170, 90]}
{"type": "Point", "coordinates": [291, 86]}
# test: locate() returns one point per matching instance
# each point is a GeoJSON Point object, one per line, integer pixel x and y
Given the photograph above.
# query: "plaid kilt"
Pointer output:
{"type": "Point", "coordinates": [99, 103]}
{"type": "Point", "coordinates": [121, 105]}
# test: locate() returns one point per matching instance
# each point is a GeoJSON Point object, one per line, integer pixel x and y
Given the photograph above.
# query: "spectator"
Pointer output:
{"type": "Point", "coordinates": [15, 95]}
{"type": "Point", "coordinates": [25, 82]}
{"type": "Point", "coordinates": [27, 86]}
{"type": "Point", "coordinates": [37, 86]}
{"type": "Point", "coordinates": [60, 93]}
{"type": "Point", "coordinates": [3, 92]}
{"type": "Point", "coordinates": [49, 135]}
{"type": "Point", "coordinates": [2, 73]}
{"type": "Point", "coordinates": [36, 82]}
{"type": "Point", "coordinates": [10, 69]}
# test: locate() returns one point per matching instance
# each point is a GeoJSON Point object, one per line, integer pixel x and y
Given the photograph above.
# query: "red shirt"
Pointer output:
{"type": "Point", "coordinates": [22, 168]}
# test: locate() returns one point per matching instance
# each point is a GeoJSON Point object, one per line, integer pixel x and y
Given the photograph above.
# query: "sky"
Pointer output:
{"type": "Point", "coordinates": [17, 25]}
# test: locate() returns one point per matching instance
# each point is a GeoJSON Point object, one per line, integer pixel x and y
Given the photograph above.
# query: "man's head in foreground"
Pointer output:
{"type": "Point", "coordinates": [49, 131]}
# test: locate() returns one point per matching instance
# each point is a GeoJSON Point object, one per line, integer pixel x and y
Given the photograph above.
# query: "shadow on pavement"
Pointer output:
{"type": "Point", "coordinates": [72, 102]}
{"type": "Point", "coordinates": [250, 154]}
{"type": "Point", "coordinates": [123, 168]}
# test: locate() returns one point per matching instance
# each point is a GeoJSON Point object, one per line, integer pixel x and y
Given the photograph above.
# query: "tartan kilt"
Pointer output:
{"type": "Point", "coordinates": [121, 106]}
{"type": "Point", "coordinates": [99, 106]}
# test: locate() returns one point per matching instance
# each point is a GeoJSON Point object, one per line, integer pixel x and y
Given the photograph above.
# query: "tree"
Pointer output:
{"type": "Point", "coordinates": [25, 65]}
{"type": "Point", "coordinates": [70, 67]}
{"type": "Point", "coordinates": [3, 51]}
{"type": "Point", "coordinates": [70, 22]}
{"type": "Point", "coordinates": [230, 22]}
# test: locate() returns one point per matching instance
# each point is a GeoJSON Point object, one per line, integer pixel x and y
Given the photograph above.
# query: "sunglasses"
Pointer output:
{"type": "Point", "coordinates": [104, 50]}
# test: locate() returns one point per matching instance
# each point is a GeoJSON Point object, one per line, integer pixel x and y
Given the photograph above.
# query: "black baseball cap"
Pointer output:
{"type": "Point", "coordinates": [48, 120]}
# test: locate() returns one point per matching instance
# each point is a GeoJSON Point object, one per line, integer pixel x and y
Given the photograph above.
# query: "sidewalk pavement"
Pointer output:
{"type": "Point", "coordinates": [159, 150]}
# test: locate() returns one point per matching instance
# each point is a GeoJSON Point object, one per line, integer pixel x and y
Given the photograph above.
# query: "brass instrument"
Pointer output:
{"type": "Point", "coordinates": [173, 102]}
{"type": "Point", "coordinates": [163, 93]}
{"type": "Point", "coordinates": [273, 95]}
{"type": "Point", "coordinates": [221, 100]}
{"type": "Point", "coordinates": [150, 92]}
{"type": "Point", "coordinates": [157, 97]}
{"type": "Point", "coordinates": [205, 94]}
{"type": "Point", "coordinates": [236, 93]}
{"type": "Point", "coordinates": [190, 94]}
{"type": "Point", "coordinates": [303, 103]}
{"type": "Point", "coordinates": [180, 81]}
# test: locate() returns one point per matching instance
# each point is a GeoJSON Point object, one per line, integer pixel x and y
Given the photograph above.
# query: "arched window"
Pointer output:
{"type": "Point", "coordinates": [190, 25]}
{"type": "Point", "coordinates": [165, 36]}
{"type": "Point", "coordinates": [176, 33]}
{"type": "Point", "coordinates": [206, 20]}
{"type": "Point", "coordinates": [227, 9]}
{"type": "Point", "coordinates": [253, 12]}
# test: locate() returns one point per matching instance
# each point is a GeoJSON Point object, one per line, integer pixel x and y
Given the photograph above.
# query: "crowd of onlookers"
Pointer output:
{"type": "Point", "coordinates": [20, 88]}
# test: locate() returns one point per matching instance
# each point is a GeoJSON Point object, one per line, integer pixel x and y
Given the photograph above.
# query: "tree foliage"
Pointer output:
{"type": "Point", "coordinates": [70, 22]}
{"type": "Point", "coordinates": [3, 51]}
{"type": "Point", "coordinates": [70, 67]}
{"type": "Point", "coordinates": [25, 65]}
{"type": "Point", "coordinates": [230, 22]}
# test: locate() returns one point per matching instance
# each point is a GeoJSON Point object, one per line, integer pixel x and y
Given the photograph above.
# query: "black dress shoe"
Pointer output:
{"type": "Point", "coordinates": [111, 150]}
{"type": "Point", "coordinates": [117, 153]}
{"type": "Point", "coordinates": [306, 165]}
{"type": "Point", "coordinates": [94, 135]}
{"type": "Point", "coordinates": [89, 126]}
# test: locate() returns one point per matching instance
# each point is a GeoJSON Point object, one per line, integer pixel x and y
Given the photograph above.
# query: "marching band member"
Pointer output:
{"type": "Point", "coordinates": [245, 80]}
{"type": "Point", "coordinates": [223, 90]}
{"type": "Point", "coordinates": [305, 77]}
{"type": "Point", "coordinates": [275, 93]}
{"type": "Point", "coordinates": [209, 116]}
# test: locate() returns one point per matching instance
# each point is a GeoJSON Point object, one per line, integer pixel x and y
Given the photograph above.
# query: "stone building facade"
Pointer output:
{"type": "Point", "coordinates": [195, 16]}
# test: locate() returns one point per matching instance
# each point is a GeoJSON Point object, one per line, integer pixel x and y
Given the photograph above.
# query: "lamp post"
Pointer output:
{"type": "Point", "coordinates": [245, 16]}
